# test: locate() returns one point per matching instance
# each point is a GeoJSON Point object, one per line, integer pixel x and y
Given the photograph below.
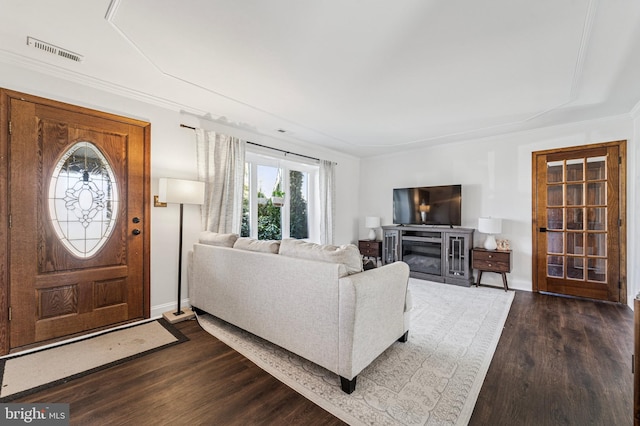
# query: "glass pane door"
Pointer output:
{"type": "Point", "coordinates": [576, 219]}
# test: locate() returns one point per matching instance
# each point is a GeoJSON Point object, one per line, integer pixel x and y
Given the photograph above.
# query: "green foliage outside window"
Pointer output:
{"type": "Point", "coordinates": [270, 216]}
{"type": "Point", "coordinates": [245, 227]}
{"type": "Point", "coordinates": [269, 220]}
{"type": "Point", "coordinates": [298, 205]}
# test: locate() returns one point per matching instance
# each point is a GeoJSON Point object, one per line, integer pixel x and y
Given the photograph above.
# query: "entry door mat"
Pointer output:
{"type": "Point", "coordinates": [24, 374]}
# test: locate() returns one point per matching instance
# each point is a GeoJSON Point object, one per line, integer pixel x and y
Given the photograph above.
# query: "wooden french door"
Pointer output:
{"type": "Point", "coordinates": [78, 237]}
{"type": "Point", "coordinates": [579, 221]}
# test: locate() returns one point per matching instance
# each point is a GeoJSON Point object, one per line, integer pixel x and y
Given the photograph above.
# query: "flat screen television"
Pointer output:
{"type": "Point", "coordinates": [428, 205]}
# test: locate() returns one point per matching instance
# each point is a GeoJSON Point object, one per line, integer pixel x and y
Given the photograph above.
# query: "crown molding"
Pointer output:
{"type": "Point", "coordinates": [112, 10]}
{"type": "Point", "coordinates": [56, 71]}
{"type": "Point", "coordinates": [635, 111]}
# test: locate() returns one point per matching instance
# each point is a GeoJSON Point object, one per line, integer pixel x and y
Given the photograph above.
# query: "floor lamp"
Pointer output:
{"type": "Point", "coordinates": [178, 191]}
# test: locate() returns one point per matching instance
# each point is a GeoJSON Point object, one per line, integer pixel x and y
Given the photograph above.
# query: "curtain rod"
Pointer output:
{"type": "Point", "coordinates": [264, 146]}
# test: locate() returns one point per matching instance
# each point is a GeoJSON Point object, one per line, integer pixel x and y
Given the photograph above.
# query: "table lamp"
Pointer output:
{"type": "Point", "coordinates": [372, 222]}
{"type": "Point", "coordinates": [490, 226]}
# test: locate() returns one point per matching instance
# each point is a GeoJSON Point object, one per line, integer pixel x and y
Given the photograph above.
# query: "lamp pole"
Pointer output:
{"type": "Point", "coordinates": [178, 310]}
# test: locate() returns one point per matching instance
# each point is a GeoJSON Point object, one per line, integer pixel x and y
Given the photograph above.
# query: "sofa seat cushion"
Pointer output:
{"type": "Point", "coordinates": [251, 244]}
{"type": "Point", "coordinates": [216, 239]}
{"type": "Point", "coordinates": [348, 254]}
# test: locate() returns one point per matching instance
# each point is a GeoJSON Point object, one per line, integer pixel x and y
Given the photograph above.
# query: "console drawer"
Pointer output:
{"type": "Point", "coordinates": [370, 248]}
{"type": "Point", "coordinates": [494, 261]}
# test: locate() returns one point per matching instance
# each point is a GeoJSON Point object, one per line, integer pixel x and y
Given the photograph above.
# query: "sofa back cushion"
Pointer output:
{"type": "Point", "coordinates": [251, 244]}
{"type": "Point", "coordinates": [348, 255]}
{"type": "Point", "coordinates": [216, 239]}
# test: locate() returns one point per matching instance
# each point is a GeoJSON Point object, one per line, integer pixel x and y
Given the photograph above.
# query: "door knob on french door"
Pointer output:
{"type": "Point", "coordinates": [136, 232]}
{"type": "Point", "coordinates": [136, 220]}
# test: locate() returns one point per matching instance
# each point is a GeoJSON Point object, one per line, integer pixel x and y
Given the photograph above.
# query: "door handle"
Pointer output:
{"type": "Point", "coordinates": [136, 231]}
{"type": "Point", "coordinates": [543, 229]}
{"type": "Point", "coordinates": [136, 220]}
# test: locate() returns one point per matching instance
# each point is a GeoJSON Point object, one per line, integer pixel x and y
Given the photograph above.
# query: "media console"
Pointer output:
{"type": "Point", "coordinates": [441, 254]}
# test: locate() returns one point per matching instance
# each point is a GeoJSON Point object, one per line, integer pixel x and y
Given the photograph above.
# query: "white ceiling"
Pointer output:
{"type": "Point", "coordinates": [363, 77]}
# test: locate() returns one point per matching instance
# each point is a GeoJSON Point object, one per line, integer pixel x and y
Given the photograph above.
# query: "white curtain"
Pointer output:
{"type": "Point", "coordinates": [327, 201]}
{"type": "Point", "coordinates": [221, 167]}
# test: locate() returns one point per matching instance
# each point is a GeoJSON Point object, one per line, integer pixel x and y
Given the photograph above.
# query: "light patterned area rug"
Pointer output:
{"type": "Point", "coordinates": [27, 373]}
{"type": "Point", "coordinates": [433, 379]}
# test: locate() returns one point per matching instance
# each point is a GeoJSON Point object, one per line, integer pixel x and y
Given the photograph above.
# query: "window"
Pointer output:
{"type": "Point", "coordinates": [280, 199]}
{"type": "Point", "coordinates": [83, 199]}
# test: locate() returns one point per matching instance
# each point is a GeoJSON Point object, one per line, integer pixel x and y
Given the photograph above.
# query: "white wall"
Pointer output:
{"type": "Point", "coordinates": [173, 155]}
{"type": "Point", "coordinates": [495, 174]}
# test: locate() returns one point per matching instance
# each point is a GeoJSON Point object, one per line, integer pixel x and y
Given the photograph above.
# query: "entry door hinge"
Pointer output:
{"type": "Point", "coordinates": [9, 221]}
{"type": "Point", "coordinates": [9, 128]}
{"type": "Point", "coordinates": [9, 313]}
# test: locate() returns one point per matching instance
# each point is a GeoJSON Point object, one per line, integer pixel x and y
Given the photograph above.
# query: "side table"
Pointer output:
{"type": "Point", "coordinates": [371, 248]}
{"type": "Point", "coordinates": [498, 261]}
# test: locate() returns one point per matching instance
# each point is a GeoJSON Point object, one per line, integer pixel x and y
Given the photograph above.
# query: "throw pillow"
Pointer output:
{"type": "Point", "coordinates": [348, 254]}
{"type": "Point", "coordinates": [264, 246]}
{"type": "Point", "coordinates": [215, 239]}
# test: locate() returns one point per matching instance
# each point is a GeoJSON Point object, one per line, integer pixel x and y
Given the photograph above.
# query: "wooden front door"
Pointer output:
{"type": "Point", "coordinates": [78, 219]}
{"type": "Point", "coordinates": [579, 221]}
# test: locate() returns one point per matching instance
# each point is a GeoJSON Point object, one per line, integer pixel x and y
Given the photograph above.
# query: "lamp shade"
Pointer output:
{"type": "Point", "coordinates": [489, 225]}
{"type": "Point", "coordinates": [372, 222]}
{"type": "Point", "coordinates": [179, 191]}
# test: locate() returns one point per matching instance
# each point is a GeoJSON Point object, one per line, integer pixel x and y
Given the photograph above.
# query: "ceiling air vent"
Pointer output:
{"type": "Point", "coordinates": [48, 47]}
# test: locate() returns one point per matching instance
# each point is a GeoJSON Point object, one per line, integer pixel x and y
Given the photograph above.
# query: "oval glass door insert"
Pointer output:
{"type": "Point", "coordinates": [83, 199]}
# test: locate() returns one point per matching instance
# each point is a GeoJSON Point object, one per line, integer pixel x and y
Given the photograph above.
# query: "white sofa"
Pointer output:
{"type": "Point", "coordinates": [313, 308]}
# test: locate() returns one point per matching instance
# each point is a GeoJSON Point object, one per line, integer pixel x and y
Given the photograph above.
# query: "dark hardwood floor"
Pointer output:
{"type": "Point", "coordinates": [559, 362]}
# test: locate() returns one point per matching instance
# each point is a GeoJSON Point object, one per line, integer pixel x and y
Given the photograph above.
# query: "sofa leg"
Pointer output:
{"type": "Point", "coordinates": [348, 386]}
{"type": "Point", "coordinates": [404, 337]}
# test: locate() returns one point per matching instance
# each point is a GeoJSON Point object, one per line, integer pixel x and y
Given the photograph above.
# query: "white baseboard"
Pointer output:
{"type": "Point", "coordinates": [158, 310]}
